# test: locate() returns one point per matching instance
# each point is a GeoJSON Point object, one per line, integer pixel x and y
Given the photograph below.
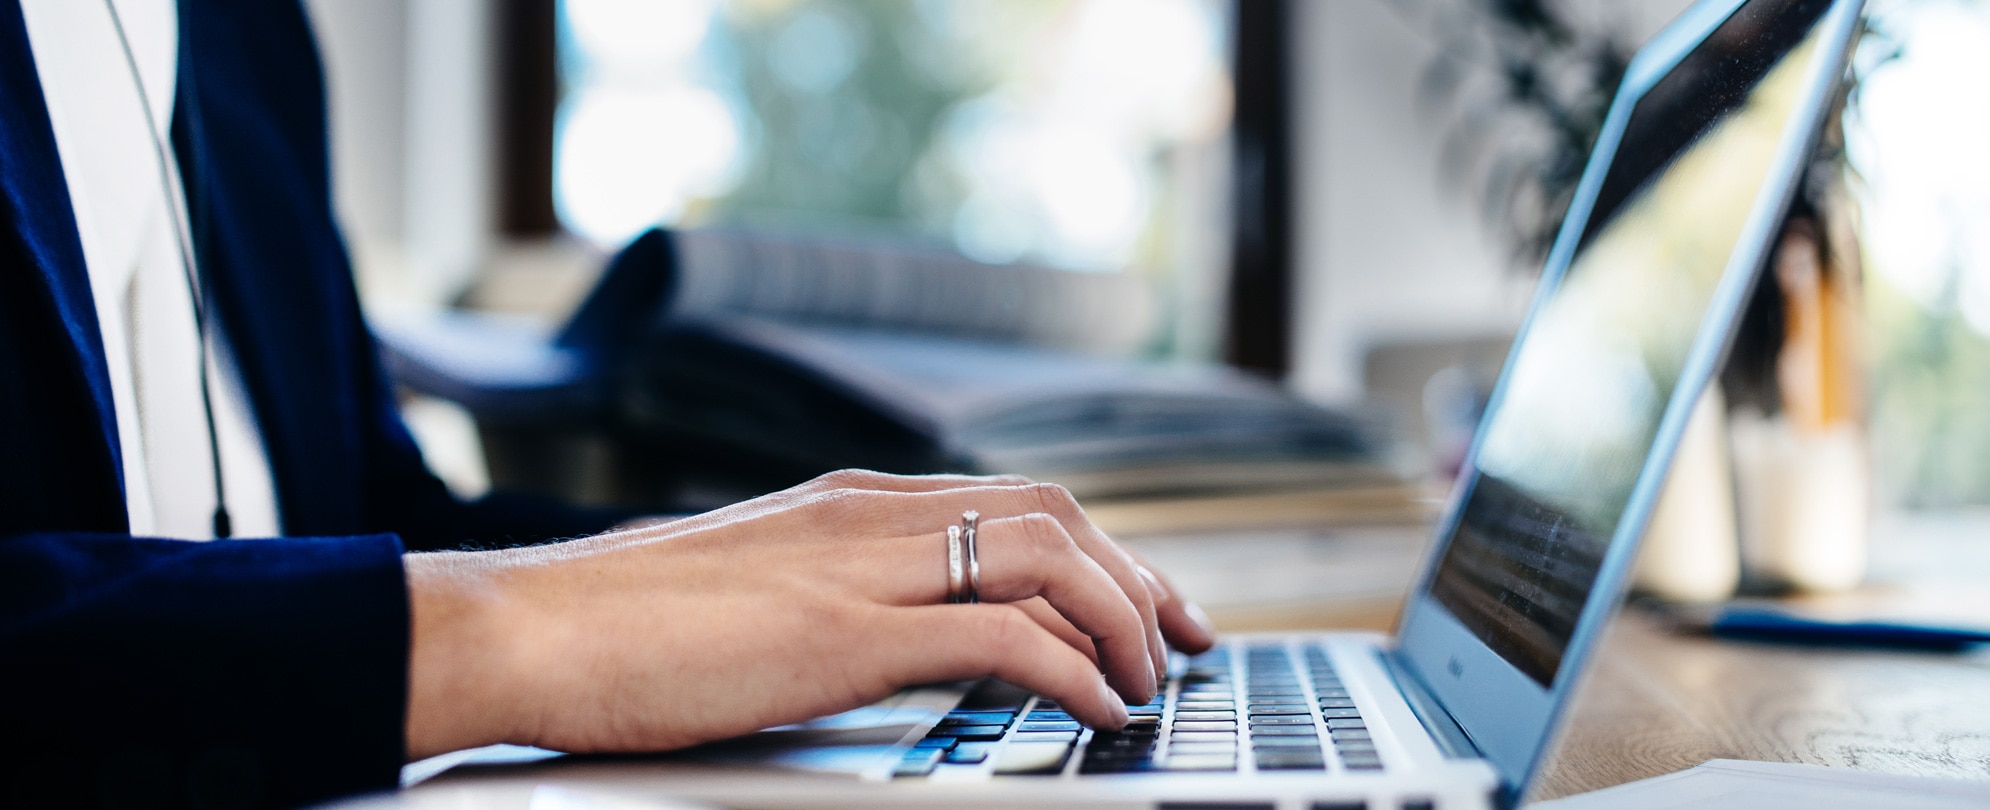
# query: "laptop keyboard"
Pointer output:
{"type": "Point", "coordinates": [1237, 708]}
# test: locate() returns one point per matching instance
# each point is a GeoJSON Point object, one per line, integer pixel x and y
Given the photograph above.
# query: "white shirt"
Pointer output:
{"type": "Point", "coordinates": [108, 141]}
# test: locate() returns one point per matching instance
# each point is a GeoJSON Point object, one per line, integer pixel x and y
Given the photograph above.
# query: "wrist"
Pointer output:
{"type": "Point", "coordinates": [464, 684]}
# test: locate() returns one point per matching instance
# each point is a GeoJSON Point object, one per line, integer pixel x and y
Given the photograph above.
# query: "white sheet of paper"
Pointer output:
{"type": "Point", "coordinates": [1732, 784]}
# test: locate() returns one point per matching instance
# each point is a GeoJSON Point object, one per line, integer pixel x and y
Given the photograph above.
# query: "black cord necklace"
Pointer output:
{"type": "Point", "coordinates": [223, 526]}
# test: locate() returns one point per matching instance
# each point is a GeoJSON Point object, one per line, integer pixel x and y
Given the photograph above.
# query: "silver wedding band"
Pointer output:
{"type": "Point", "coordinates": [963, 564]}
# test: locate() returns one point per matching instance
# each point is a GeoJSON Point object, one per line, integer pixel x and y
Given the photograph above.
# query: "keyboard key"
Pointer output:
{"type": "Point", "coordinates": [942, 743]}
{"type": "Point", "coordinates": [969, 753]}
{"type": "Point", "coordinates": [1333, 713]}
{"type": "Point", "coordinates": [1180, 716]}
{"type": "Point", "coordinates": [1066, 737]}
{"type": "Point", "coordinates": [1202, 736]}
{"type": "Point", "coordinates": [1206, 706]}
{"type": "Point", "coordinates": [1262, 741]}
{"type": "Point", "coordinates": [1290, 761]}
{"type": "Point", "coordinates": [1046, 725]}
{"type": "Point", "coordinates": [1201, 762]}
{"type": "Point", "coordinates": [1355, 746]}
{"type": "Point", "coordinates": [978, 719]}
{"type": "Point", "coordinates": [1106, 766]}
{"type": "Point", "coordinates": [1205, 725]}
{"type": "Point", "coordinates": [1282, 720]}
{"type": "Point", "coordinates": [1119, 756]}
{"type": "Point", "coordinates": [992, 695]}
{"type": "Point", "coordinates": [1280, 708]}
{"type": "Point", "coordinates": [1144, 711]}
{"type": "Point", "coordinates": [1046, 716]}
{"type": "Point", "coordinates": [918, 762]}
{"type": "Point", "coordinates": [1199, 749]}
{"type": "Point", "coordinates": [1283, 731]}
{"type": "Point", "coordinates": [1345, 722]}
{"type": "Point", "coordinates": [974, 733]}
{"type": "Point", "coordinates": [1349, 734]}
{"type": "Point", "coordinates": [1336, 703]}
{"type": "Point", "coordinates": [1362, 762]}
{"type": "Point", "coordinates": [1333, 692]}
{"type": "Point", "coordinates": [1032, 758]}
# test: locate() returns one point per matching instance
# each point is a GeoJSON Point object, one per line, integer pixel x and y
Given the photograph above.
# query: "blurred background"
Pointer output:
{"type": "Point", "coordinates": [1351, 198]}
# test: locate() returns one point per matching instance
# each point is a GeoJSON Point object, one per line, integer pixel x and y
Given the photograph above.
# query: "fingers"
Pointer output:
{"type": "Point", "coordinates": [1048, 617]}
{"type": "Point", "coordinates": [1184, 624]}
{"type": "Point", "coordinates": [1032, 555]}
{"type": "Point", "coordinates": [840, 487]}
{"type": "Point", "coordinates": [915, 513]}
{"type": "Point", "coordinates": [957, 642]}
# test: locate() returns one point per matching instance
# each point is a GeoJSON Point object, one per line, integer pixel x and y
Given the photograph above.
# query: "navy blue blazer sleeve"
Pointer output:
{"type": "Point", "coordinates": [145, 672]}
{"type": "Point", "coordinates": [163, 673]}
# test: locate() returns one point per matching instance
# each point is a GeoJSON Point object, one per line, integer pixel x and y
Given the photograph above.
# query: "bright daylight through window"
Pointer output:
{"type": "Point", "coordinates": [1082, 134]}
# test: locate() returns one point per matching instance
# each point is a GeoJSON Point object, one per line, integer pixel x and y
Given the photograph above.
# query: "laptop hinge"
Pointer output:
{"type": "Point", "coordinates": [1450, 737]}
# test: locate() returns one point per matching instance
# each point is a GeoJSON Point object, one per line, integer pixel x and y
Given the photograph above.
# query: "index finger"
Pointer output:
{"type": "Point", "coordinates": [1184, 624]}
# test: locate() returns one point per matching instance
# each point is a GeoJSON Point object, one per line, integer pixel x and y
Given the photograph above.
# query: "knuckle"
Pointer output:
{"type": "Point", "coordinates": [848, 479]}
{"type": "Point", "coordinates": [1043, 535]}
{"type": "Point", "coordinates": [842, 506]}
{"type": "Point", "coordinates": [1055, 499]}
{"type": "Point", "coordinates": [1003, 629]}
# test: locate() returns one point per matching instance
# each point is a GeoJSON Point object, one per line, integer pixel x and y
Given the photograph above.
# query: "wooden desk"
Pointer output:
{"type": "Point", "coordinates": [1657, 702]}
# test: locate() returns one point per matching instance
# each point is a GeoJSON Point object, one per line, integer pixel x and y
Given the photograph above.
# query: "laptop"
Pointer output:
{"type": "Point", "coordinates": [1696, 165]}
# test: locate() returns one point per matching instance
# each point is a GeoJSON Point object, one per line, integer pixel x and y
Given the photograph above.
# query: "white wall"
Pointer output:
{"type": "Point", "coordinates": [1388, 249]}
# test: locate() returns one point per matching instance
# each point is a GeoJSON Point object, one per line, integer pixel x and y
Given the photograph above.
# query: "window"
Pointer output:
{"type": "Point", "coordinates": [1083, 134]}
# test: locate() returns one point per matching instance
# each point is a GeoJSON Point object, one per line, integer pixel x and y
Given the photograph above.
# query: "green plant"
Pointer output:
{"type": "Point", "coordinates": [1528, 83]}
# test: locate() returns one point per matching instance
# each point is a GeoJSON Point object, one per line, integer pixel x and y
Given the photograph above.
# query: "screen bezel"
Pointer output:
{"type": "Point", "coordinates": [1508, 716]}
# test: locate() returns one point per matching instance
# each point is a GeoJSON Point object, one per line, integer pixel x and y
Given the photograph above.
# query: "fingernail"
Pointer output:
{"type": "Point", "coordinates": [1114, 705]}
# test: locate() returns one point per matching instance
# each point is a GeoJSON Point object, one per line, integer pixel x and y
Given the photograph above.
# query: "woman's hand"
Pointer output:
{"type": "Point", "coordinates": [807, 602]}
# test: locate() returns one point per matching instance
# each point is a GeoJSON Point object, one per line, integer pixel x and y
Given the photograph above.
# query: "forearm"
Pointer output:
{"type": "Point", "coordinates": [465, 640]}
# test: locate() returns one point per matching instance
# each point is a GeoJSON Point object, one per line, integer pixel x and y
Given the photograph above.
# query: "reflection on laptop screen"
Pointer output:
{"type": "Point", "coordinates": [1588, 386]}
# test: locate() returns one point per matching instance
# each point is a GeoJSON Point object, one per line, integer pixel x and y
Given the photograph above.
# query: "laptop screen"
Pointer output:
{"type": "Point", "coordinates": [1588, 385]}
